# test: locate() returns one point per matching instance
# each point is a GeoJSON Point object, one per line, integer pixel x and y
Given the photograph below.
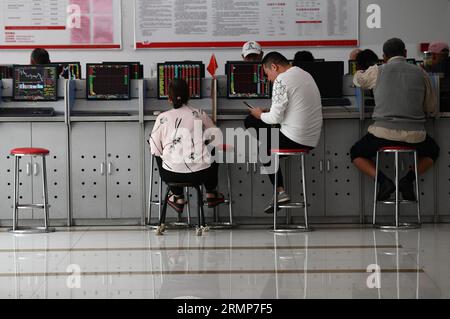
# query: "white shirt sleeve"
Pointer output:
{"type": "Point", "coordinates": [156, 138]}
{"type": "Point", "coordinates": [280, 102]}
{"type": "Point", "coordinates": [367, 79]}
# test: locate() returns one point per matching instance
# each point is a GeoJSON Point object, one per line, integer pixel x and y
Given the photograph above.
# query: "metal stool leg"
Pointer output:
{"type": "Point", "coordinates": [217, 224]}
{"type": "Point", "coordinates": [288, 228]}
{"type": "Point", "coordinates": [416, 168]}
{"type": "Point", "coordinates": [160, 198]}
{"type": "Point", "coordinates": [397, 199]}
{"type": "Point", "coordinates": [201, 213]}
{"type": "Point", "coordinates": [305, 196]}
{"type": "Point", "coordinates": [188, 196]}
{"type": "Point", "coordinates": [17, 206]}
{"type": "Point", "coordinates": [16, 193]}
{"type": "Point", "coordinates": [398, 225]}
{"type": "Point", "coordinates": [230, 195]}
{"type": "Point", "coordinates": [375, 200]}
{"type": "Point", "coordinates": [162, 221]}
{"type": "Point", "coordinates": [45, 190]}
{"type": "Point", "coordinates": [202, 220]}
{"type": "Point", "coordinates": [275, 194]}
{"type": "Point", "coordinates": [150, 193]}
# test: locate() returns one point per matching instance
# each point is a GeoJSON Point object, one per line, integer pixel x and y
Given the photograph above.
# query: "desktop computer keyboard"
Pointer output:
{"type": "Point", "coordinates": [98, 113]}
{"type": "Point", "coordinates": [336, 102]}
{"type": "Point", "coordinates": [27, 112]}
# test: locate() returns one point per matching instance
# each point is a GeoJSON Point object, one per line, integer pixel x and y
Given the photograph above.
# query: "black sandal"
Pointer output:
{"type": "Point", "coordinates": [215, 201]}
{"type": "Point", "coordinates": [179, 208]}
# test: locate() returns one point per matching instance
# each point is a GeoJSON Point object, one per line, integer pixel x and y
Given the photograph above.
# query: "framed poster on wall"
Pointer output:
{"type": "Point", "coordinates": [60, 24]}
{"type": "Point", "coordinates": [230, 23]}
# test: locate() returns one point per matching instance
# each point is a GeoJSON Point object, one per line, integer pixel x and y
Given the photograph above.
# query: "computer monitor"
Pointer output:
{"type": "Point", "coordinates": [136, 69]}
{"type": "Point", "coordinates": [328, 77]}
{"type": "Point", "coordinates": [353, 66]}
{"type": "Point", "coordinates": [35, 82]}
{"type": "Point", "coordinates": [191, 71]}
{"type": "Point", "coordinates": [69, 70]}
{"type": "Point", "coordinates": [6, 72]}
{"type": "Point", "coordinates": [108, 81]}
{"type": "Point", "coordinates": [247, 80]}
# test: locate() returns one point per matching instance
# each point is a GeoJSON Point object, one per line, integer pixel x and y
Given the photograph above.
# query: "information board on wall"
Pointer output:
{"type": "Point", "coordinates": [230, 23]}
{"type": "Point", "coordinates": [60, 24]}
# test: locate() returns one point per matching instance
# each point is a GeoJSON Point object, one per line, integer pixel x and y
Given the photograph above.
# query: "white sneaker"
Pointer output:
{"type": "Point", "coordinates": [283, 198]}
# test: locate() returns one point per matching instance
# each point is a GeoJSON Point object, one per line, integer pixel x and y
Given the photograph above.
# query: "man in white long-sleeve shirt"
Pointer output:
{"type": "Point", "coordinates": [296, 107]}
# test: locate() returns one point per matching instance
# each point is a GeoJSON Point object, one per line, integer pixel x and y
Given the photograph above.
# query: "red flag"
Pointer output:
{"type": "Point", "coordinates": [213, 66]}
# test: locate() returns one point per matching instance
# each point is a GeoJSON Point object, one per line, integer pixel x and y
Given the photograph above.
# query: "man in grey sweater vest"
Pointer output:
{"type": "Point", "coordinates": [403, 96]}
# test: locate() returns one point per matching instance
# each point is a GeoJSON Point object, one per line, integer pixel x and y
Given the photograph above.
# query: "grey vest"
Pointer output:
{"type": "Point", "coordinates": [399, 96]}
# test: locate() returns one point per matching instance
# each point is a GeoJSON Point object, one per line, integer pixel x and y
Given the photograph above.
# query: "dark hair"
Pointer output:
{"type": "Point", "coordinates": [275, 58]}
{"type": "Point", "coordinates": [40, 56]}
{"type": "Point", "coordinates": [179, 93]}
{"type": "Point", "coordinates": [365, 59]}
{"type": "Point", "coordinates": [303, 56]}
{"type": "Point", "coordinates": [394, 47]}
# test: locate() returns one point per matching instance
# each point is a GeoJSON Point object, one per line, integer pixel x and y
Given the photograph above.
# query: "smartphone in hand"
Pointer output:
{"type": "Point", "coordinates": [248, 105]}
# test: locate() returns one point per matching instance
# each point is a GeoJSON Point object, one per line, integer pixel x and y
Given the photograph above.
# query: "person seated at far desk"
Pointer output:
{"type": "Point", "coordinates": [252, 52]}
{"type": "Point", "coordinates": [302, 56]}
{"type": "Point", "coordinates": [181, 153]}
{"type": "Point", "coordinates": [352, 56]}
{"type": "Point", "coordinates": [365, 59]}
{"type": "Point", "coordinates": [39, 56]}
{"type": "Point", "coordinates": [296, 106]}
{"type": "Point", "coordinates": [403, 95]}
{"type": "Point", "coordinates": [439, 57]}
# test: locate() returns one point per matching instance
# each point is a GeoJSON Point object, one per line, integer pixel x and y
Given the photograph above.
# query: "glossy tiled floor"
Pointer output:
{"type": "Point", "coordinates": [131, 262]}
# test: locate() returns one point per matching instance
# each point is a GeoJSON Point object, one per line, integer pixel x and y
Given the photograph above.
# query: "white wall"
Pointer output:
{"type": "Point", "coordinates": [415, 21]}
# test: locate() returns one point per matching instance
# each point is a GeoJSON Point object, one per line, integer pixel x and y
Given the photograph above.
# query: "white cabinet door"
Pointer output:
{"type": "Point", "coordinates": [52, 136]}
{"type": "Point", "coordinates": [88, 170]}
{"type": "Point", "coordinates": [343, 180]}
{"type": "Point", "coordinates": [124, 173]}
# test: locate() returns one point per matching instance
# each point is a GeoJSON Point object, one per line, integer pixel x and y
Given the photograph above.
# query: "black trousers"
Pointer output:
{"type": "Point", "coordinates": [208, 177]}
{"type": "Point", "coordinates": [284, 143]}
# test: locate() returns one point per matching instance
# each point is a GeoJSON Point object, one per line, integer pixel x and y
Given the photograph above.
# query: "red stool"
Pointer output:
{"type": "Point", "coordinates": [396, 150]}
{"type": "Point", "coordinates": [18, 153]}
{"type": "Point", "coordinates": [304, 204]}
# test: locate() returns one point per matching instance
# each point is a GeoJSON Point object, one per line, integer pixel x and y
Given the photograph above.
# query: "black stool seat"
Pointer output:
{"type": "Point", "coordinates": [182, 185]}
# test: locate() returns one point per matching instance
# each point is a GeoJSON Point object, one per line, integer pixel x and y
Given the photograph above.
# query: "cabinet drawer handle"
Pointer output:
{"type": "Point", "coordinates": [109, 168]}
{"type": "Point", "coordinates": [321, 166]}
{"type": "Point", "coordinates": [328, 166]}
{"type": "Point", "coordinates": [28, 169]}
{"type": "Point", "coordinates": [102, 169]}
{"type": "Point", "coordinates": [35, 169]}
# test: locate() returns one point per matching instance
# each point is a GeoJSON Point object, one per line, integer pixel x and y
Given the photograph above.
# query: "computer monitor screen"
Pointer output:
{"type": "Point", "coordinates": [192, 72]}
{"type": "Point", "coordinates": [246, 80]}
{"type": "Point", "coordinates": [328, 77]}
{"type": "Point", "coordinates": [136, 69]}
{"type": "Point", "coordinates": [108, 81]}
{"type": "Point", "coordinates": [69, 70]}
{"type": "Point", "coordinates": [35, 82]}
{"type": "Point", "coordinates": [6, 72]}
